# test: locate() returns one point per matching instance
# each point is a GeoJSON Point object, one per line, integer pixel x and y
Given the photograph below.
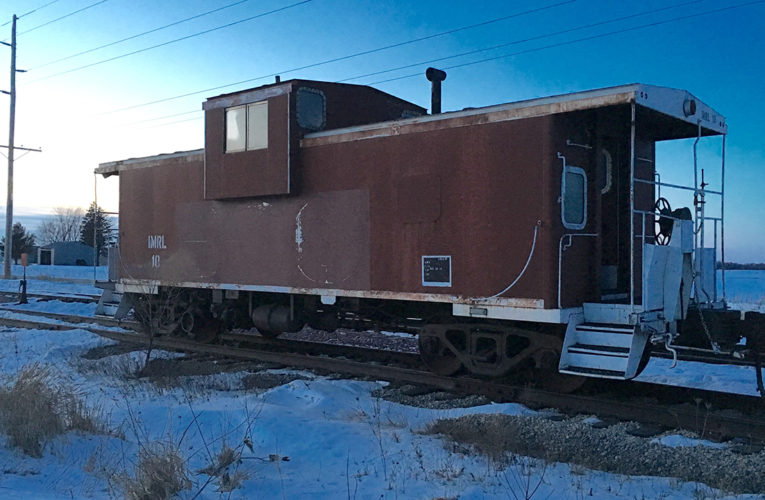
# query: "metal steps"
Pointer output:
{"type": "Point", "coordinates": [602, 350]}
{"type": "Point", "coordinates": [112, 304]}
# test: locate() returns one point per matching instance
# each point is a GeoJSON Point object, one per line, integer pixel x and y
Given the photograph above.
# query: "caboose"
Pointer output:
{"type": "Point", "coordinates": [530, 237]}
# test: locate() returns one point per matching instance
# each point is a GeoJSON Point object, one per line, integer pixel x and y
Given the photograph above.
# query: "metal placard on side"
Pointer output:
{"type": "Point", "coordinates": [436, 270]}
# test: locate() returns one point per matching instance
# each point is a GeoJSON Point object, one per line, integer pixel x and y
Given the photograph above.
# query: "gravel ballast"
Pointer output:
{"type": "Point", "coordinates": [610, 449]}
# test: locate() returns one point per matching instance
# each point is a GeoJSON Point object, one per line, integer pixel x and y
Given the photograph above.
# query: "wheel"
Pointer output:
{"type": "Point", "coordinates": [663, 224]}
{"type": "Point", "coordinates": [269, 334]}
{"type": "Point", "coordinates": [187, 322]}
{"type": "Point", "coordinates": [437, 355]}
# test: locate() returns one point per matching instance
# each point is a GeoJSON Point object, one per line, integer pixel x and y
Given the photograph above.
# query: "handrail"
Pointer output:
{"type": "Point", "coordinates": [632, 204]}
{"type": "Point", "coordinates": [678, 186]}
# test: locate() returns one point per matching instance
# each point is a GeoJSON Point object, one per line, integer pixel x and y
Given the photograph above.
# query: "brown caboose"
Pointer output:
{"type": "Point", "coordinates": [521, 235]}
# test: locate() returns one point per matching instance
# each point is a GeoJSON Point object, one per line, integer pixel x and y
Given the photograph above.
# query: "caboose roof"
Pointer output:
{"type": "Point", "coordinates": [671, 114]}
{"type": "Point", "coordinates": [667, 111]}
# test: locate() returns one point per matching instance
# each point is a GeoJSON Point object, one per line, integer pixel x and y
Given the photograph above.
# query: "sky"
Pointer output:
{"type": "Point", "coordinates": [94, 107]}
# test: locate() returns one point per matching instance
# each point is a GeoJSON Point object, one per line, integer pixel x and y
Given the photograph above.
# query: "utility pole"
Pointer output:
{"type": "Point", "coordinates": [11, 134]}
{"type": "Point", "coordinates": [9, 205]}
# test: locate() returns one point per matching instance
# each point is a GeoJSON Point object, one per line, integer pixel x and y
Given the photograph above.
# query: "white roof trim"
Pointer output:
{"type": "Point", "coordinates": [662, 99]}
{"type": "Point", "coordinates": [114, 167]}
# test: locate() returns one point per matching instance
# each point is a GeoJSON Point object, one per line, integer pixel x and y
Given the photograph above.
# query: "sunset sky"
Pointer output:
{"type": "Point", "coordinates": [102, 105]}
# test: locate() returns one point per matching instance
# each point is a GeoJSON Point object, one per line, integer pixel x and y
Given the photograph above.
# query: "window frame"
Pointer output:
{"type": "Point", "coordinates": [305, 91]}
{"type": "Point", "coordinates": [246, 132]}
{"type": "Point", "coordinates": [570, 169]}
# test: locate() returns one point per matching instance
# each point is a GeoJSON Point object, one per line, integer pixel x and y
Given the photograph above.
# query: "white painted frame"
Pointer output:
{"type": "Point", "coordinates": [436, 283]}
{"type": "Point", "coordinates": [578, 171]}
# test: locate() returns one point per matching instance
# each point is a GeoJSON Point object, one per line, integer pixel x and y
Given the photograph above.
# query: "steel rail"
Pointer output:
{"type": "Point", "coordinates": [715, 425]}
{"type": "Point", "coordinates": [75, 318]}
{"type": "Point", "coordinates": [700, 417]}
{"type": "Point", "coordinates": [80, 297]}
{"type": "Point", "coordinates": [77, 321]}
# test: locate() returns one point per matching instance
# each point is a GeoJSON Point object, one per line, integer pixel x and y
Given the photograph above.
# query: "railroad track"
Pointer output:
{"type": "Point", "coordinates": [64, 297]}
{"type": "Point", "coordinates": [635, 401]}
{"type": "Point", "coordinates": [695, 355]}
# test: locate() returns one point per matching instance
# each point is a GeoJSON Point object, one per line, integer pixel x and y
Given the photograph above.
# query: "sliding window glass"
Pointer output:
{"type": "Point", "coordinates": [247, 127]}
{"type": "Point", "coordinates": [236, 120]}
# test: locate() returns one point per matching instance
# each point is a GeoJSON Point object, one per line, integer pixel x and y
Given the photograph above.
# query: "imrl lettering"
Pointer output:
{"type": "Point", "coordinates": [157, 241]}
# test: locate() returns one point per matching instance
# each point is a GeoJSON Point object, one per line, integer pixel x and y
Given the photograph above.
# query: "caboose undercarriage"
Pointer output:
{"type": "Point", "coordinates": [533, 238]}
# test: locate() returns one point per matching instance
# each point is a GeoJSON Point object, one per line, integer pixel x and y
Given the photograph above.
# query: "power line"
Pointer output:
{"type": "Point", "coordinates": [172, 41]}
{"type": "Point", "coordinates": [578, 40]}
{"type": "Point", "coordinates": [175, 122]}
{"type": "Point", "coordinates": [63, 17]}
{"type": "Point", "coordinates": [140, 34]}
{"type": "Point", "coordinates": [531, 50]}
{"type": "Point", "coordinates": [523, 40]}
{"type": "Point", "coordinates": [157, 118]}
{"type": "Point", "coordinates": [29, 12]}
{"type": "Point", "coordinates": [342, 58]}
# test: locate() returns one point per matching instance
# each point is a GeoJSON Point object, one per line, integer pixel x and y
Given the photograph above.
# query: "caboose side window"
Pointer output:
{"type": "Point", "coordinates": [236, 119]}
{"type": "Point", "coordinates": [574, 199]}
{"type": "Point", "coordinates": [257, 125]}
{"type": "Point", "coordinates": [311, 109]}
{"type": "Point", "coordinates": [247, 127]}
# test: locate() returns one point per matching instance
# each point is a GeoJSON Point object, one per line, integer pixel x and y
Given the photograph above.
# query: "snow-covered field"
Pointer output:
{"type": "Point", "coordinates": [308, 437]}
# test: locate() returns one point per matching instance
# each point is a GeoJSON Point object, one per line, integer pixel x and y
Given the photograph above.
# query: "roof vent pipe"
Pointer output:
{"type": "Point", "coordinates": [436, 76]}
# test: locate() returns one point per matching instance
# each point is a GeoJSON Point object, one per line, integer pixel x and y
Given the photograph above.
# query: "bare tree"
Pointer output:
{"type": "Point", "coordinates": [63, 226]}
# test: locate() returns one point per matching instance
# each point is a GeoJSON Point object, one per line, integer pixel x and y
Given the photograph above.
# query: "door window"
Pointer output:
{"type": "Point", "coordinates": [574, 198]}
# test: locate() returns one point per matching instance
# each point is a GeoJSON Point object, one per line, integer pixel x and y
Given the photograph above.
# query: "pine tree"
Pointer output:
{"type": "Point", "coordinates": [103, 228]}
{"type": "Point", "coordinates": [22, 242]}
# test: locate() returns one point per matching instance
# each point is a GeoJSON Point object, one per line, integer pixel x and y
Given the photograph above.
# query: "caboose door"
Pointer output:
{"type": "Point", "coordinates": [613, 186]}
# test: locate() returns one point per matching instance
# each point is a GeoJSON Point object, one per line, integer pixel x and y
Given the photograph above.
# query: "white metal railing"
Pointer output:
{"type": "Point", "coordinates": [698, 215]}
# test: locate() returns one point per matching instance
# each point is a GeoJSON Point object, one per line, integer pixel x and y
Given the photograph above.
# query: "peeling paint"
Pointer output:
{"type": "Point", "coordinates": [304, 274]}
{"type": "Point", "coordinates": [299, 229]}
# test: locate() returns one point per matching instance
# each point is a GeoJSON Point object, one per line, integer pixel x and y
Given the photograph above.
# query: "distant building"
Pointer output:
{"type": "Point", "coordinates": [65, 253]}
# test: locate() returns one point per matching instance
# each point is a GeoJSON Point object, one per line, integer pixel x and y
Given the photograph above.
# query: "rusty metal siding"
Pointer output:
{"type": "Point", "coordinates": [317, 240]}
{"type": "Point", "coordinates": [481, 193]}
{"type": "Point", "coordinates": [351, 227]}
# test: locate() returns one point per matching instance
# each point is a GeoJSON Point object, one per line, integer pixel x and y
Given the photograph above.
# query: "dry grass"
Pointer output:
{"type": "Point", "coordinates": [224, 469]}
{"type": "Point", "coordinates": [161, 472]}
{"type": "Point", "coordinates": [38, 405]}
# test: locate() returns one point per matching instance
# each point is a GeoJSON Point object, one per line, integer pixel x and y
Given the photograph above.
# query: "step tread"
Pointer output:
{"type": "Point", "coordinates": [606, 327]}
{"type": "Point", "coordinates": [594, 371]}
{"type": "Point", "coordinates": [602, 348]}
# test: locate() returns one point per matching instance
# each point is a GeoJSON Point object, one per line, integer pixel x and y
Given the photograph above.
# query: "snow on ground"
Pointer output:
{"type": "Point", "coordinates": [55, 306]}
{"type": "Point", "coordinates": [311, 438]}
{"type": "Point", "coordinates": [75, 273]}
{"type": "Point", "coordinates": [50, 287]}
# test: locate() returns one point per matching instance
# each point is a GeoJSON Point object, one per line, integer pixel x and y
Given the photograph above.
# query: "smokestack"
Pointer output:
{"type": "Point", "coordinates": [436, 76]}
